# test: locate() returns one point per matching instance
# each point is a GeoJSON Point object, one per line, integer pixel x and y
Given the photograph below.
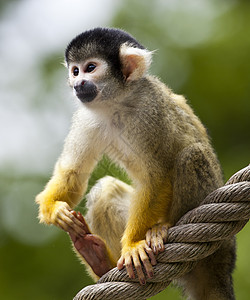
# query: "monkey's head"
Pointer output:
{"type": "Point", "coordinates": [102, 61]}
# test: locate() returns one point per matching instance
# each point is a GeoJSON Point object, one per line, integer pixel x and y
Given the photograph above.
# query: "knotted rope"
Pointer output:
{"type": "Point", "coordinates": [198, 234]}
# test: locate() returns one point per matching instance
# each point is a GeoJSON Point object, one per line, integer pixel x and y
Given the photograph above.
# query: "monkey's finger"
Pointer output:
{"type": "Point", "coordinates": [159, 245]}
{"type": "Point", "coordinates": [69, 213]}
{"type": "Point", "coordinates": [127, 262]}
{"type": "Point", "coordinates": [151, 255]}
{"type": "Point", "coordinates": [156, 242]}
{"type": "Point", "coordinates": [129, 265]}
{"type": "Point", "coordinates": [74, 213]}
{"type": "Point", "coordinates": [120, 263]}
{"type": "Point", "coordinates": [78, 217]}
{"type": "Point", "coordinates": [77, 224]}
{"type": "Point", "coordinates": [81, 219]}
{"type": "Point", "coordinates": [67, 224]}
{"type": "Point", "coordinates": [60, 223]}
{"type": "Point", "coordinates": [164, 232]}
{"type": "Point", "coordinates": [138, 267]}
{"type": "Point", "coordinates": [146, 263]}
{"type": "Point", "coordinates": [159, 237]}
{"type": "Point", "coordinates": [148, 237]}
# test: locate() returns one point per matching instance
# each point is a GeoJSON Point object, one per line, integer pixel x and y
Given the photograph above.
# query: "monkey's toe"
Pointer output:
{"type": "Point", "coordinates": [157, 236]}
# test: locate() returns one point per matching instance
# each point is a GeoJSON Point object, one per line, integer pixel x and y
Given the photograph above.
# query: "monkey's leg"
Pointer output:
{"type": "Point", "coordinates": [143, 214]}
{"type": "Point", "coordinates": [107, 203]}
{"type": "Point", "coordinates": [196, 174]}
{"type": "Point", "coordinates": [92, 249]}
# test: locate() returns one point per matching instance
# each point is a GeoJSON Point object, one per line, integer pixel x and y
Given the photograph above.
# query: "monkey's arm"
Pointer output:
{"type": "Point", "coordinates": [146, 210]}
{"type": "Point", "coordinates": [92, 250]}
{"type": "Point", "coordinates": [69, 181]}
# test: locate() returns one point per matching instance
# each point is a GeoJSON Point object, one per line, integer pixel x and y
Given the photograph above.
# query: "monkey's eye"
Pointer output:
{"type": "Point", "coordinates": [75, 71]}
{"type": "Point", "coordinates": [90, 68]}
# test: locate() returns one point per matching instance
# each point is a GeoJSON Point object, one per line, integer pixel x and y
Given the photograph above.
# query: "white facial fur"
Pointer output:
{"type": "Point", "coordinates": [99, 71]}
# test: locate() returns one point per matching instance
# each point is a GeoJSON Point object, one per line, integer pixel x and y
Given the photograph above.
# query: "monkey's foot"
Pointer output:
{"type": "Point", "coordinates": [156, 237]}
{"type": "Point", "coordinates": [134, 255]}
{"type": "Point", "coordinates": [92, 248]}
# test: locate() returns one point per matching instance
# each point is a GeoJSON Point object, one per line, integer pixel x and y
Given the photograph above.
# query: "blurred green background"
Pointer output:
{"type": "Point", "coordinates": [203, 52]}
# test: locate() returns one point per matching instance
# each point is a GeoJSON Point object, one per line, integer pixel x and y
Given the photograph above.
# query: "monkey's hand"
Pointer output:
{"type": "Point", "coordinates": [134, 255]}
{"type": "Point", "coordinates": [67, 221]}
{"type": "Point", "coordinates": [156, 237]}
{"type": "Point", "coordinates": [92, 248]}
{"type": "Point", "coordinates": [58, 213]}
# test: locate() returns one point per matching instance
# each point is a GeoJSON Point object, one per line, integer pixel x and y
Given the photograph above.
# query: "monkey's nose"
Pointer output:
{"type": "Point", "coordinates": [79, 86]}
{"type": "Point", "coordinates": [85, 90]}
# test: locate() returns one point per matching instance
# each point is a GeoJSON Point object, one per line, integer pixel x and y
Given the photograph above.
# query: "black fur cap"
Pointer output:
{"type": "Point", "coordinates": [99, 42]}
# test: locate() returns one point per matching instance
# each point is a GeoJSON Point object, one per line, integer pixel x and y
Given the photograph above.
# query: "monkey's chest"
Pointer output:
{"type": "Point", "coordinates": [127, 155]}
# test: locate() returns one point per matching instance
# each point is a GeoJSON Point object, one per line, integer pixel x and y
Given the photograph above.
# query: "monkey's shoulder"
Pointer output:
{"type": "Point", "coordinates": [150, 91]}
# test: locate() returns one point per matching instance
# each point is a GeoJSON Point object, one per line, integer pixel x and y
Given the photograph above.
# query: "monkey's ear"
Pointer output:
{"type": "Point", "coordinates": [135, 62]}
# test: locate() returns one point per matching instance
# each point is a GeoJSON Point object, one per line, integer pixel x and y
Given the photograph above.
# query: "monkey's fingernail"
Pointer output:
{"type": "Point", "coordinates": [143, 282]}
{"type": "Point", "coordinates": [151, 274]}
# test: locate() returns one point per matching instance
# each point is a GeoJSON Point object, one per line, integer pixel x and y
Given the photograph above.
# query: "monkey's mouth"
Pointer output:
{"type": "Point", "coordinates": [86, 91]}
{"type": "Point", "coordinates": [86, 97]}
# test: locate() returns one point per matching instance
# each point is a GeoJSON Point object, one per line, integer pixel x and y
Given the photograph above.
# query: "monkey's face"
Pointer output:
{"type": "Point", "coordinates": [103, 62]}
{"type": "Point", "coordinates": [86, 78]}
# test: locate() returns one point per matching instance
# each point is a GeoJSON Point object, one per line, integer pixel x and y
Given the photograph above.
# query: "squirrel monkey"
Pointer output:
{"type": "Point", "coordinates": [155, 136]}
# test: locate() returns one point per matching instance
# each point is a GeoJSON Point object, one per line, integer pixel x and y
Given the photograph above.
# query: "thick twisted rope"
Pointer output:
{"type": "Point", "coordinates": [198, 234]}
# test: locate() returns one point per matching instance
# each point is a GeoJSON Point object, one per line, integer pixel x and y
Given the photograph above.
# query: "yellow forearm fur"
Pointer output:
{"type": "Point", "coordinates": [64, 186]}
